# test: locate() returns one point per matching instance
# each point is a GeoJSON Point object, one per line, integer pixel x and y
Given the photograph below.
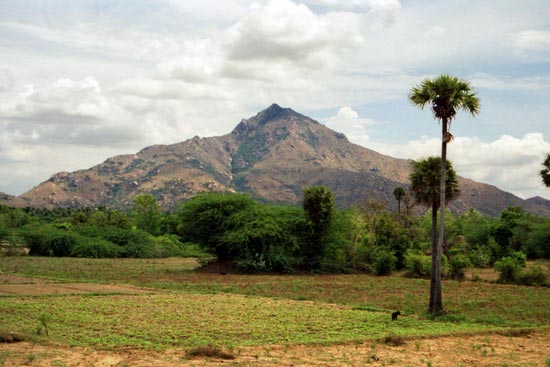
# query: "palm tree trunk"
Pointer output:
{"type": "Point", "coordinates": [399, 210]}
{"type": "Point", "coordinates": [436, 298]}
{"type": "Point", "coordinates": [434, 255]}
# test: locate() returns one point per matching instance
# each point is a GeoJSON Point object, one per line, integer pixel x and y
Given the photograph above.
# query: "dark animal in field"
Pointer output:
{"type": "Point", "coordinates": [394, 315]}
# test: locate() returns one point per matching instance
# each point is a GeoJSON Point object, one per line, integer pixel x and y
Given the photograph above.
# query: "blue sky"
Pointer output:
{"type": "Point", "coordinates": [81, 81]}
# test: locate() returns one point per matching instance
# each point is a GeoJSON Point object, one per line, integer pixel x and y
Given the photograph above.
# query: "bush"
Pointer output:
{"type": "Point", "coordinates": [533, 276]}
{"type": "Point", "coordinates": [457, 266]}
{"type": "Point", "coordinates": [520, 257]}
{"type": "Point", "coordinates": [481, 257]}
{"type": "Point", "coordinates": [261, 263]}
{"type": "Point", "coordinates": [133, 243]}
{"type": "Point", "coordinates": [190, 249]}
{"type": "Point", "coordinates": [96, 248]}
{"type": "Point", "coordinates": [167, 246]}
{"type": "Point", "coordinates": [139, 244]}
{"type": "Point", "coordinates": [50, 241]}
{"type": "Point", "coordinates": [418, 265]}
{"type": "Point", "coordinates": [509, 269]}
{"type": "Point", "coordinates": [384, 262]}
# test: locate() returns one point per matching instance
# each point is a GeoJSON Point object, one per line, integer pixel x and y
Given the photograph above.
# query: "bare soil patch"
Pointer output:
{"type": "Point", "coordinates": [470, 350]}
{"type": "Point", "coordinates": [16, 285]}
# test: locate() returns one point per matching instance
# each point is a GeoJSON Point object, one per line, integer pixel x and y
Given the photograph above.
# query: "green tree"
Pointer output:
{"type": "Point", "coordinates": [425, 178]}
{"type": "Point", "coordinates": [146, 213]}
{"type": "Point", "coordinates": [545, 171]}
{"type": "Point", "coordinates": [205, 220]}
{"type": "Point", "coordinates": [399, 193]}
{"type": "Point", "coordinates": [319, 207]}
{"type": "Point", "coordinates": [445, 94]}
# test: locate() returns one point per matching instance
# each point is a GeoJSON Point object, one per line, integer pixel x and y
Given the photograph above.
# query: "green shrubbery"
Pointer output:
{"type": "Point", "coordinates": [511, 269]}
{"type": "Point", "coordinates": [270, 238]}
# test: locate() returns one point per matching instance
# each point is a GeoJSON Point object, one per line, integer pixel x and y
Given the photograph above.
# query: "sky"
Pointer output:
{"type": "Point", "coordinates": [85, 80]}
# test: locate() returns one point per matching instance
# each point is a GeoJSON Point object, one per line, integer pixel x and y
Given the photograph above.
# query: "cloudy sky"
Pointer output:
{"type": "Point", "coordinates": [84, 80]}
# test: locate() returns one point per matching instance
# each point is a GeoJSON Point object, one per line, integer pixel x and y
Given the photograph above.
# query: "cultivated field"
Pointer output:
{"type": "Point", "coordinates": [125, 312]}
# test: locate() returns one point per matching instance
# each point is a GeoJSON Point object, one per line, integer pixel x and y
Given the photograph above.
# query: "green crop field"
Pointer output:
{"type": "Point", "coordinates": [184, 308]}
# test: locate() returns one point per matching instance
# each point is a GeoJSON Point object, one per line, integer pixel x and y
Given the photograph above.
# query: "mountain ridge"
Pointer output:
{"type": "Point", "coordinates": [273, 156]}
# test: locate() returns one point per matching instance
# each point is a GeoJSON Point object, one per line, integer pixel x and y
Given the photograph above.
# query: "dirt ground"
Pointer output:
{"type": "Point", "coordinates": [16, 285]}
{"type": "Point", "coordinates": [478, 350]}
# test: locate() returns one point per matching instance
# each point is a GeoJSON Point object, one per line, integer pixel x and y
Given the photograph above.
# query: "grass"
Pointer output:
{"type": "Point", "coordinates": [229, 310]}
{"type": "Point", "coordinates": [167, 320]}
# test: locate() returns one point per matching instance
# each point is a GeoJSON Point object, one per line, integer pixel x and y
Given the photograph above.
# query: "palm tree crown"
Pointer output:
{"type": "Point", "coordinates": [545, 171]}
{"type": "Point", "coordinates": [425, 178]}
{"type": "Point", "coordinates": [446, 94]}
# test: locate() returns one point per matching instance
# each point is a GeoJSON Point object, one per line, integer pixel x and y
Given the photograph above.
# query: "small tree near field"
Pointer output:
{"type": "Point", "coordinates": [146, 213]}
{"type": "Point", "coordinates": [319, 207]}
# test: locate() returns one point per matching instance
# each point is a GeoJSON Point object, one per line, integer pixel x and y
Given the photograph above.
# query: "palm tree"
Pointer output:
{"type": "Point", "coordinates": [425, 187]}
{"type": "Point", "coordinates": [545, 171]}
{"type": "Point", "coordinates": [445, 94]}
{"type": "Point", "coordinates": [399, 193]}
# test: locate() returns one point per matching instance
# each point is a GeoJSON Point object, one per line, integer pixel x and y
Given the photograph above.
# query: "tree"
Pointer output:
{"type": "Point", "coordinates": [425, 186]}
{"type": "Point", "coordinates": [545, 171]}
{"type": "Point", "coordinates": [146, 213]}
{"type": "Point", "coordinates": [399, 193]}
{"type": "Point", "coordinates": [319, 207]}
{"type": "Point", "coordinates": [205, 219]}
{"type": "Point", "coordinates": [445, 94]}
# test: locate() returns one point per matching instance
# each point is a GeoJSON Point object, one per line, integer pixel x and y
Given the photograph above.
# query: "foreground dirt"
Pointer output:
{"type": "Point", "coordinates": [479, 350]}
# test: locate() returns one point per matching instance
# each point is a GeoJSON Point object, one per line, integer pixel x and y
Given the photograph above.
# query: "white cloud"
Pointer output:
{"type": "Point", "coordinates": [510, 163]}
{"type": "Point", "coordinates": [532, 40]}
{"type": "Point", "coordinates": [286, 31]}
{"type": "Point", "coordinates": [520, 84]}
{"type": "Point", "coordinates": [6, 80]}
{"type": "Point", "coordinates": [348, 122]}
{"type": "Point", "coordinates": [122, 76]}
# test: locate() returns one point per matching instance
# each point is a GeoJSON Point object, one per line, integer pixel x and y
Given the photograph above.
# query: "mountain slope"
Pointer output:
{"type": "Point", "coordinates": [273, 156]}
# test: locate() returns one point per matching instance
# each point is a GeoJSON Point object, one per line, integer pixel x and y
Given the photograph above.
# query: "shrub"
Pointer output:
{"type": "Point", "coordinates": [417, 265]}
{"type": "Point", "coordinates": [190, 249]}
{"type": "Point", "coordinates": [167, 246]}
{"type": "Point", "coordinates": [139, 244]}
{"type": "Point", "coordinates": [251, 265]}
{"type": "Point", "coordinates": [520, 257]}
{"type": "Point", "coordinates": [457, 265]}
{"type": "Point", "coordinates": [533, 276]}
{"type": "Point", "coordinates": [481, 257]}
{"type": "Point", "coordinates": [269, 262]}
{"type": "Point", "coordinates": [384, 262]}
{"type": "Point", "coordinates": [509, 269]}
{"type": "Point", "coordinates": [50, 241]}
{"type": "Point", "coordinates": [279, 263]}
{"type": "Point", "coordinates": [133, 243]}
{"type": "Point", "coordinates": [96, 248]}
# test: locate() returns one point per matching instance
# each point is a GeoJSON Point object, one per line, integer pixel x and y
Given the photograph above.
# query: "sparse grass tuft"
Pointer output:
{"type": "Point", "coordinates": [210, 351]}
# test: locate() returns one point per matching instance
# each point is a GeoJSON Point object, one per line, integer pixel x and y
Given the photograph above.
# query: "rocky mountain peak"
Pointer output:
{"type": "Point", "coordinates": [272, 156]}
{"type": "Point", "coordinates": [262, 118]}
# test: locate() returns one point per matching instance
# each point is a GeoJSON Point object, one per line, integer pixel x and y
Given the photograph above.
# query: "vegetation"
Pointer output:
{"type": "Point", "coordinates": [239, 310]}
{"type": "Point", "coordinates": [262, 238]}
{"type": "Point", "coordinates": [426, 176]}
{"type": "Point", "coordinates": [399, 194]}
{"type": "Point", "coordinates": [545, 171]}
{"type": "Point", "coordinates": [445, 94]}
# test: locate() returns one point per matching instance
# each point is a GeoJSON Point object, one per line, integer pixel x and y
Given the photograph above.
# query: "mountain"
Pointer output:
{"type": "Point", "coordinates": [273, 156]}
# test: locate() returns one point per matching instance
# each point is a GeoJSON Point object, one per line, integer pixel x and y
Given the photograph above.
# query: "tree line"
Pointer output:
{"type": "Point", "coordinates": [258, 237]}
